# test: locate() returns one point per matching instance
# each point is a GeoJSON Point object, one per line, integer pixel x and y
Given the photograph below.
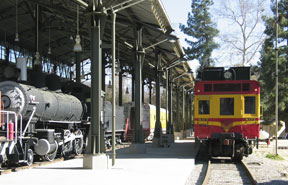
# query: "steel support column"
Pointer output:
{"type": "Point", "coordinates": [78, 67]}
{"type": "Point", "coordinates": [186, 110]}
{"type": "Point", "coordinates": [113, 87]}
{"type": "Point", "coordinates": [120, 88]}
{"type": "Point", "coordinates": [166, 97]}
{"type": "Point", "coordinates": [170, 119]}
{"type": "Point", "coordinates": [150, 91]}
{"type": "Point", "coordinates": [94, 144]}
{"type": "Point", "coordinates": [138, 132]}
{"type": "Point", "coordinates": [183, 112]}
{"type": "Point", "coordinates": [133, 87]}
{"type": "Point", "coordinates": [143, 92]}
{"type": "Point", "coordinates": [276, 83]}
{"type": "Point", "coordinates": [7, 53]}
{"type": "Point", "coordinates": [158, 127]}
{"type": "Point", "coordinates": [190, 109]}
{"type": "Point", "coordinates": [177, 124]}
{"type": "Point", "coordinates": [103, 70]}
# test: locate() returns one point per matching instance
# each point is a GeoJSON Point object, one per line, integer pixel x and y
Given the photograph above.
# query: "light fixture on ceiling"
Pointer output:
{"type": "Point", "coordinates": [49, 51]}
{"type": "Point", "coordinates": [17, 35]}
{"type": "Point", "coordinates": [170, 38]}
{"type": "Point", "coordinates": [130, 46]}
{"type": "Point", "coordinates": [37, 55]}
{"type": "Point", "coordinates": [77, 46]}
{"type": "Point", "coordinates": [175, 63]}
{"type": "Point", "coordinates": [152, 66]}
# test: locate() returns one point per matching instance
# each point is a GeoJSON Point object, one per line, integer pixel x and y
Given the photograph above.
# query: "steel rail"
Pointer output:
{"type": "Point", "coordinates": [249, 173]}
{"type": "Point", "coordinates": [208, 173]}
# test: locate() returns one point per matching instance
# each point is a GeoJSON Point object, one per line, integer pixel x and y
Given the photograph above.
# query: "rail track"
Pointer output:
{"type": "Point", "coordinates": [223, 171]}
{"type": "Point", "coordinates": [6, 170]}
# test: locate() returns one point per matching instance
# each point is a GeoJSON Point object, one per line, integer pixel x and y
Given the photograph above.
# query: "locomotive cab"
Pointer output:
{"type": "Point", "coordinates": [227, 112]}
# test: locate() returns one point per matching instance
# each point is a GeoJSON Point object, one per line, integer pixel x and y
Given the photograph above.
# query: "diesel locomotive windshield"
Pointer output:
{"type": "Point", "coordinates": [250, 105]}
{"type": "Point", "coordinates": [226, 106]}
{"type": "Point", "coordinates": [204, 107]}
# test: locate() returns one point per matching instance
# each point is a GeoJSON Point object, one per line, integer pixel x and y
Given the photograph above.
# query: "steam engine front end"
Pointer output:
{"type": "Point", "coordinates": [39, 121]}
{"type": "Point", "coordinates": [227, 111]}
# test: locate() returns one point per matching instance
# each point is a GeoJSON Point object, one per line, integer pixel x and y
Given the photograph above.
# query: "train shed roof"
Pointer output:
{"type": "Point", "coordinates": [57, 28]}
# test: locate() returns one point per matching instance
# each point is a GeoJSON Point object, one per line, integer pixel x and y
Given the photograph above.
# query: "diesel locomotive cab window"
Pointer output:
{"type": "Point", "coordinates": [204, 107]}
{"type": "Point", "coordinates": [250, 103]}
{"type": "Point", "coordinates": [226, 106]}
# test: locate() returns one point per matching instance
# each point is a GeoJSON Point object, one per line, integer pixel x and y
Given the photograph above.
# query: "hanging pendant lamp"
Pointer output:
{"type": "Point", "coordinates": [77, 46]}
{"type": "Point", "coordinates": [49, 48]}
{"type": "Point", "coordinates": [17, 35]}
{"type": "Point", "coordinates": [37, 55]}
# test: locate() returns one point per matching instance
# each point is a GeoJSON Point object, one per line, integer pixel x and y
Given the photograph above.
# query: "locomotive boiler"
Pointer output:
{"type": "Point", "coordinates": [45, 105]}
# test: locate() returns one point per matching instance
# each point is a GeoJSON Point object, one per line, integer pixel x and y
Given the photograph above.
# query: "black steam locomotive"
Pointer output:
{"type": "Point", "coordinates": [44, 123]}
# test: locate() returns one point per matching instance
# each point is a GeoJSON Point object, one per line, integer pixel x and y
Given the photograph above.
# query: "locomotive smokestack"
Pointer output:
{"type": "Point", "coordinates": [21, 63]}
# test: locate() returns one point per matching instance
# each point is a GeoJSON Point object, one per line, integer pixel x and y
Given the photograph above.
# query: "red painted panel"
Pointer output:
{"type": "Point", "coordinates": [250, 131]}
{"type": "Point", "coordinates": [199, 87]}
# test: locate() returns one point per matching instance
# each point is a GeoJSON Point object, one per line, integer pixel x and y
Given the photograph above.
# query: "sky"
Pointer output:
{"type": "Point", "coordinates": [178, 14]}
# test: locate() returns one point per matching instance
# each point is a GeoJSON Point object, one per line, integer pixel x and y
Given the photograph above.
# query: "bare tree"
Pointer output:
{"type": "Point", "coordinates": [243, 32]}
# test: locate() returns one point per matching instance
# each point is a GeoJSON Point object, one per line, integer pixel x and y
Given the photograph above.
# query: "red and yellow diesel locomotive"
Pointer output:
{"type": "Point", "coordinates": [227, 111]}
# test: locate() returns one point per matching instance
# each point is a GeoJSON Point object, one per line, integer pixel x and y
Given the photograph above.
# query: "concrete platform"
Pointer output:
{"type": "Point", "coordinates": [157, 166]}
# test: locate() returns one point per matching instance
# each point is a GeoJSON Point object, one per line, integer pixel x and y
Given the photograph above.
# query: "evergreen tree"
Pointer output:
{"type": "Point", "coordinates": [268, 60]}
{"type": "Point", "coordinates": [202, 30]}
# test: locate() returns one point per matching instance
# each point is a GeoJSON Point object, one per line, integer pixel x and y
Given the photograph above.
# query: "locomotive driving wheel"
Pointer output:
{"type": "Point", "coordinates": [67, 147]}
{"type": "Point", "coordinates": [78, 142]}
{"type": "Point", "coordinates": [30, 157]}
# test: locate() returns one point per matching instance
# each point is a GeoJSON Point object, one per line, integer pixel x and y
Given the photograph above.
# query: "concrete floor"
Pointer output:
{"type": "Point", "coordinates": [167, 166]}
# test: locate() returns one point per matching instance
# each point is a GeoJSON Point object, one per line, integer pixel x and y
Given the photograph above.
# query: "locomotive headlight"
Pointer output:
{"type": "Point", "coordinates": [227, 75]}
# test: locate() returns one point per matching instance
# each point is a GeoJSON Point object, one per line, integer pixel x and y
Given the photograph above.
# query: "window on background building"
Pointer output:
{"type": "Point", "coordinates": [226, 106]}
{"type": "Point", "coordinates": [29, 62]}
{"type": "Point", "coordinates": [204, 107]}
{"type": "Point", "coordinates": [2, 52]}
{"type": "Point", "coordinates": [12, 57]}
{"type": "Point", "coordinates": [250, 103]}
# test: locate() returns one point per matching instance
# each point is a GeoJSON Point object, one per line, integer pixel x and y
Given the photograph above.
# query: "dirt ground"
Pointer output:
{"type": "Point", "coordinates": [268, 171]}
